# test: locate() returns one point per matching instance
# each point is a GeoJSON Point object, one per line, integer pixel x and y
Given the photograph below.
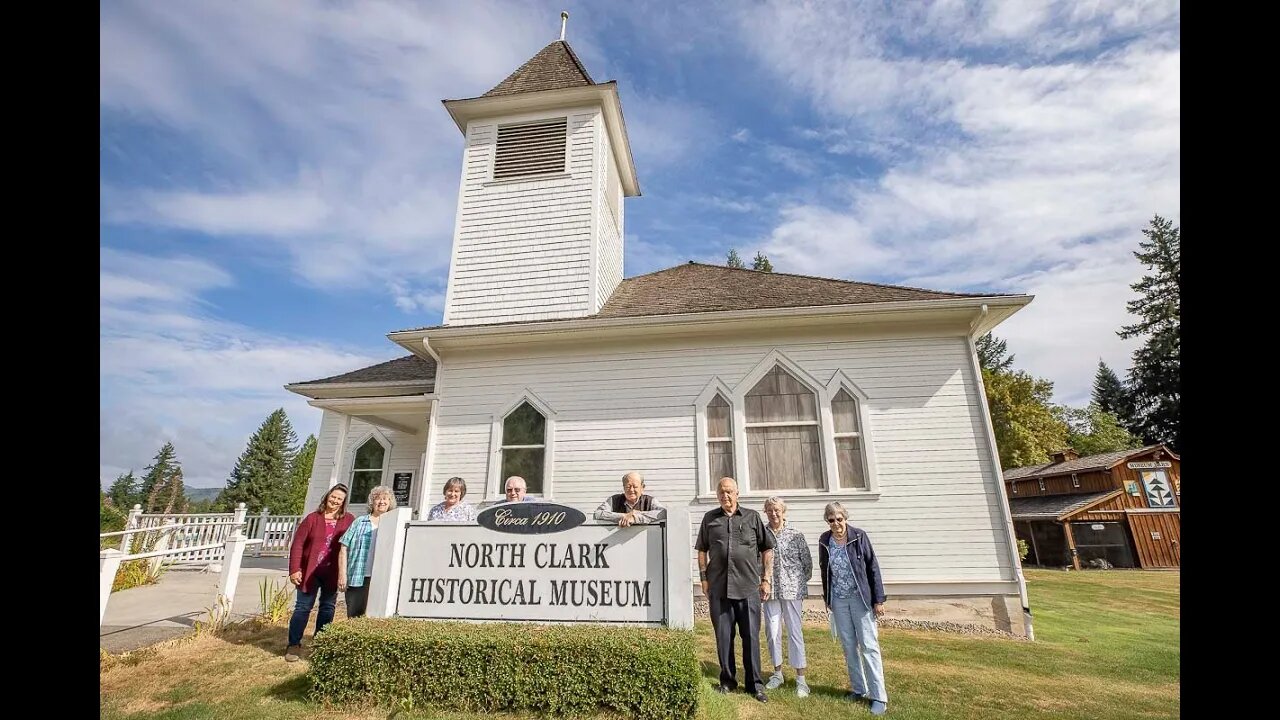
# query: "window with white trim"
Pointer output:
{"type": "Point", "coordinates": [784, 447]}
{"type": "Point", "coordinates": [848, 437]}
{"type": "Point", "coordinates": [366, 469]}
{"type": "Point", "coordinates": [531, 148]}
{"type": "Point", "coordinates": [719, 439]}
{"type": "Point", "coordinates": [524, 446]}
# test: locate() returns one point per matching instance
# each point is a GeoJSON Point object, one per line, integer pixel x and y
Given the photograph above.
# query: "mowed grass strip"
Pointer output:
{"type": "Point", "coordinates": [1107, 646]}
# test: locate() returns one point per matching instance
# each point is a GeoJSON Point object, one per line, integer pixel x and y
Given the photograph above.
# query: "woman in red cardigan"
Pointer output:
{"type": "Point", "coordinates": [313, 565]}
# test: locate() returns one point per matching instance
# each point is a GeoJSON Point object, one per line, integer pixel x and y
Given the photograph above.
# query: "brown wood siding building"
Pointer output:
{"type": "Point", "coordinates": [1122, 507]}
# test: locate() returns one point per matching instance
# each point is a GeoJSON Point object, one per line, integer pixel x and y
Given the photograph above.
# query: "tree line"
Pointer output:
{"type": "Point", "coordinates": [273, 472]}
{"type": "Point", "coordinates": [1142, 409]}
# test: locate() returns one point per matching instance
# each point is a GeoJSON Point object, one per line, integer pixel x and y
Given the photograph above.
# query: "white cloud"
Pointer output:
{"type": "Point", "coordinates": [322, 122]}
{"type": "Point", "coordinates": [170, 371]}
{"type": "Point", "coordinates": [1033, 172]}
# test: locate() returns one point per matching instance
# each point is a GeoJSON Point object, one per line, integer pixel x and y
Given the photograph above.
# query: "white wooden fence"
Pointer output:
{"type": "Point", "coordinates": [230, 552]}
{"type": "Point", "coordinates": [274, 531]}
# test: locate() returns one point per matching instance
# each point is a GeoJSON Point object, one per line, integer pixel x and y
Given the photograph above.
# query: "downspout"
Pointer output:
{"type": "Point", "coordinates": [995, 464]}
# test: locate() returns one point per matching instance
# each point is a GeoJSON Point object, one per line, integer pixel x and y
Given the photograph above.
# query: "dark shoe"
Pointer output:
{"type": "Point", "coordinates": [854, 697]}
{"type": "Point", "coordinates": [761, 696]}
{"type": "Point", "coordinates": [723, 689]}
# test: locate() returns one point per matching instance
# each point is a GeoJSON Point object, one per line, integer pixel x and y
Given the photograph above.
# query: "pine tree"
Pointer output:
{"type": "Point", "coordinates": [992, 353]}
{"type": "Point", "coordinates": [260, 478]}
{"type": "Point", "coordinates": [732, 259]}
{"type": "Point", "coordinates": [300, 476]}
{"type": "Point", "coordinates": [161, 489]}
{"type": "Point", "coordinates": [1111, 396]}
{"type": "Point", "coordinates": [124, 492]}
{"type": "Point", "coordinates": [1155, 378]}
{"type": "Point", "coordinates": [761, 263]}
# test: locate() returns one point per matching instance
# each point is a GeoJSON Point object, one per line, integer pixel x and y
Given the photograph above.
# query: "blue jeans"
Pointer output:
{"type": "Point", "coordinates": [856, 625]}
{"type": "Point", "coordinates": [302, 610]}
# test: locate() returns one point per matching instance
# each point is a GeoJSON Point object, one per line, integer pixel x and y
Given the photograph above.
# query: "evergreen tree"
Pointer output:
{"type": "Point", "coordinates": [300, 476]}
{"type": "Point", "coordinates": [124, 492]}
{"type": "Point", "coordinates": [161, 489]}
{"type": "Point", "coordinates": [732, 260]}
{"type": "Point", "coordinates": [1111, 396]}
{"type": "Point", "coordinates": [260, 477]}
{"type": "Point", "coordinates": [761, 263]}
{"type": "Point", "coordinates": [992, 353]}
{"type": "Point", "coordinates": [1156, 375]}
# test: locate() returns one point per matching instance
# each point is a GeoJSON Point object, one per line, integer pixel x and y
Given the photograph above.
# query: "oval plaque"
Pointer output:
{"type": "Point", "coordinates": [530, 518]}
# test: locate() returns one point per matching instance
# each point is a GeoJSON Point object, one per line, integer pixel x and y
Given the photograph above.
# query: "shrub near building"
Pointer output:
{"type": "Point", "coordinates": [646, 673]}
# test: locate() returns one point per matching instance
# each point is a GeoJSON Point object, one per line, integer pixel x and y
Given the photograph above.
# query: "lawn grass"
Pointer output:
{"type": "Point", "coordinates": [1107, 646]}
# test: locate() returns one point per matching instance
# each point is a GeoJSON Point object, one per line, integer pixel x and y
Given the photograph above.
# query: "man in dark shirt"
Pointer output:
{"type": "Point", "coordinates": [733, 543]}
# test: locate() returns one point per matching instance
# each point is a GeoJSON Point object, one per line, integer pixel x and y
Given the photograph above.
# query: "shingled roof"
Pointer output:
{"type": "Point", "coordinates": [1052, 507]}
{"type": "Point", "coordinates": [697, 287]}
{"type": "Point", "coordinates": [555, 66]}
{"type": "Point", "coordinates": [409, 368]}
{"type": "Point", "coordinates": [1101, 461]}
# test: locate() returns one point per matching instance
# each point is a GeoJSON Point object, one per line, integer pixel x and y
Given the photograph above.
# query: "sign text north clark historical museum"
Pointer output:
{"type": "Point", "coordinates": [586, 573]}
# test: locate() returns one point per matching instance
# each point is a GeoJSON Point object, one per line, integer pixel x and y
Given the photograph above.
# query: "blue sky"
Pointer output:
{"type": "Point", "coordinates": [278, 180]}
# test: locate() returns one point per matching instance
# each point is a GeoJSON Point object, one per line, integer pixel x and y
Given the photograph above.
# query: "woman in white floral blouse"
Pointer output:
{"type": "Point", "coordinates": [453, 509]}
{"type": "Point", "coordinates": [792, 568]}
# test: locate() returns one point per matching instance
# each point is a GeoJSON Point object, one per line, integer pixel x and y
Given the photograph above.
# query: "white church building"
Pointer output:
{"type": "Point", "coordinates": [552, 365]}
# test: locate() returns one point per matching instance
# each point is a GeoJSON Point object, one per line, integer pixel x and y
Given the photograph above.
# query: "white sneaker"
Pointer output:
{"type": "Point", "coordinates": [775, 681]}
{"type": "Point", "coordinates": [802, 688]}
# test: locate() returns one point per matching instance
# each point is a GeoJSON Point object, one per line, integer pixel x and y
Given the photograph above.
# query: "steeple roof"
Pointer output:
{"type": "Point", "coordinates": [555, 66]}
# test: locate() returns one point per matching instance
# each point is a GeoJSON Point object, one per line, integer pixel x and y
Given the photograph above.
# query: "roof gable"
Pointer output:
{"type": "Point", "coordinates": [1101, 461]}
{"type": "Point", "coordinates": [555, 66]}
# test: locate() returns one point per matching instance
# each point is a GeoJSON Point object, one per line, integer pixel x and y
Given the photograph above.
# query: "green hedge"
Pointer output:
{"type": "Point", "coordinates": [645, 673]}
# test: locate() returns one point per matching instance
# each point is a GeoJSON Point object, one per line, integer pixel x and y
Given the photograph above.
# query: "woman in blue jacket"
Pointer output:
{"type": "Point", "coordinates": [854, 593]}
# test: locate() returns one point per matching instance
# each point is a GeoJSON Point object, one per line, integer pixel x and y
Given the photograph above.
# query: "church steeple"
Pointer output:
{"type": "Point", "coordinates": [545, 169]}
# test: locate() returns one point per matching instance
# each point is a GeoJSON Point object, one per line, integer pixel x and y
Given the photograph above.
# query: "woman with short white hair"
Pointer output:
{"type": "Point", "coordinates": [355, 565]}
{"type": "Point", "coordinates": [854, 593]}
{"type": "Point", "coordinates": [792, 568]}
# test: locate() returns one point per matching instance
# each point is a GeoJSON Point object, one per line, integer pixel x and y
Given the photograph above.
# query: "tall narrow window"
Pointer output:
{"type": "Point", "coordinates": [366, 471]}
{"type": "Point", "coordinates": [783, 446]}
{"type": "Point", "coordinates": [848, 436]}
{"type": "Point", "coordinates": [524, 446]}
{"type": "Point", "coordinates": [719, 439]}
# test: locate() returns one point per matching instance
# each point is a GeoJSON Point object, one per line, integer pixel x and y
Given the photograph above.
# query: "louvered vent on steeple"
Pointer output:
{"type": "Point", "coordinates": [533, 148]}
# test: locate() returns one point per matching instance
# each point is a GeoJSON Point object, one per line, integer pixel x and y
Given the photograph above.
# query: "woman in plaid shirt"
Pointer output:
{"type": "Point", "coordinates": [355, 558]}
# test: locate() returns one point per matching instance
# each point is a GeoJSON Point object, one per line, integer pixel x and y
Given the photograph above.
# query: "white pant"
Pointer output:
{"type": "Point", "coordinates": [774, 611]}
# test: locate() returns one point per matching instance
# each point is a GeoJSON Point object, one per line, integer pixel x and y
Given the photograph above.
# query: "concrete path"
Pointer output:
{"type": "Point", "coordinates": [145, 615]}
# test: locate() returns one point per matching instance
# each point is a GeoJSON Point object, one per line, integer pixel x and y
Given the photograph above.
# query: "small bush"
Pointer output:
{"type": "Point", "coordinates": [1023, 549]}
{"type": "Point", "coordinates": [134, 573]}
{"type": "Point", "coordinates": [645, 673]}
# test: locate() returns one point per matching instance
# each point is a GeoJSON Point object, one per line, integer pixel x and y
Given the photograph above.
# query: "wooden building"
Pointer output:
{"type": "Point", "coordinates": [550, 363]}
{"type": "Point", "coordinates": [1124, 507]}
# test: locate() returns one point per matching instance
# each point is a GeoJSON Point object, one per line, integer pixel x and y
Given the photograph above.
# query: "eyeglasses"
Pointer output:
{"type": "Point", "coordinates": [835, 519]}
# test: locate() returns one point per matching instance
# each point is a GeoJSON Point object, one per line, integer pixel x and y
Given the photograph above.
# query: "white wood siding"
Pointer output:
{"type": "Point", "coordinates": [608, 228]}
{"type": "Point", "coordinates": [406, 456]}
{"type": "Point", "coordinates": [937, 517]}
{"type": "Point", "coordinates": [522, 248]}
